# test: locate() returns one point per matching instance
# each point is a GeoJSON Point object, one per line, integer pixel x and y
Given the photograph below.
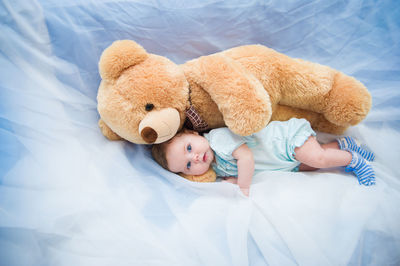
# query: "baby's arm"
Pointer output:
{"type": "Point", "coordinates": [245, 164]}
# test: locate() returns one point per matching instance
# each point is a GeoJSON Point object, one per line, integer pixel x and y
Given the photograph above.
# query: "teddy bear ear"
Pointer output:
{"type": "Point", "coordinates": [119, 56]}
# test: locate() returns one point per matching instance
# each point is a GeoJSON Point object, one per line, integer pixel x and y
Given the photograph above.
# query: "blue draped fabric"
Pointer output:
{"type": "Point", "coordinates": [68, 196]}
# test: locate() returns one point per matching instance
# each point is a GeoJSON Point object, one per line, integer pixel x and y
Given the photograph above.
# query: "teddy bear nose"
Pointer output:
{"type": "Point", "coordinates": [149, 135]}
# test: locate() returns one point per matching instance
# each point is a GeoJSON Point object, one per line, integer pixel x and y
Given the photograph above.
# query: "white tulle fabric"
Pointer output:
{"type": "Point", "coordinates": [69, 197]}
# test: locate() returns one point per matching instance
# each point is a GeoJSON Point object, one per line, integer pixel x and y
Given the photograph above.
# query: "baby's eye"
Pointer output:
{"type": "Point", "coordinates": [189, 148]}
{"type": "Point", "coordinates": [188, 165]}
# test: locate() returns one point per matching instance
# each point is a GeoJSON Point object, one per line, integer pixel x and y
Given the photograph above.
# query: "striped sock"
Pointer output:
{"type": "Point", "coordinates": [350, 143]}
{"type": "Point", "coordinates": [361, 168]}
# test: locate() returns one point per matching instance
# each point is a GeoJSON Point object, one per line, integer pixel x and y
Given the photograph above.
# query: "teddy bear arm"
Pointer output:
{"type": "Point", "coordinates": [240, 97]}
{"type": "Point", "coordinates": [318, 121]}
{"type": "Point", "coordinates": [107, 131]}
{"type": "Point", "coordinates": [209, 176]}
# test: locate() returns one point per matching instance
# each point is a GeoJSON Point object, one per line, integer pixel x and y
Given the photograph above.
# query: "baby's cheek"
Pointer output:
{"type": "Point", "coordinates": [205, 167]}
{"type": "Point", "coordinates": [201, 169]}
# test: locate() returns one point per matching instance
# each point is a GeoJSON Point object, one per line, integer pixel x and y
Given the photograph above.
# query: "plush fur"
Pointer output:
{"type": "Point", "coordinates": [143, 97]}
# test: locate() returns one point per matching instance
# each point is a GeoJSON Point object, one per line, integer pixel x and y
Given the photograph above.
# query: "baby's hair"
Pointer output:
{"type": "Point", "coordinates": [159, 151]}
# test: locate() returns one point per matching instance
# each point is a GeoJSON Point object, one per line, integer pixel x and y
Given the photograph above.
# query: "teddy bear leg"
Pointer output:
{"type": "Point", "coordinates": [318, 121]}
{"type": "Point", "coordinates": [323, 125]}
{"type": "Point", "coordinates": [348, 102]}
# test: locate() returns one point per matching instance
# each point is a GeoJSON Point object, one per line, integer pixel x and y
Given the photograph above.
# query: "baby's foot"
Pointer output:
{"type": "Point", "coordinates": [362, 169]}
{"type": "Point", "coordinates": [350, 143]}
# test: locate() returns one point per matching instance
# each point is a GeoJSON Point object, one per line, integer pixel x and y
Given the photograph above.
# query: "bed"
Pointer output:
{"type": "Point", "coordinates": [68, 196]}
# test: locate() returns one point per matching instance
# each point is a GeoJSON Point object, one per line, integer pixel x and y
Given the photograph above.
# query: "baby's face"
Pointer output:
{"type": "Point", "coordinates": [190, 154]}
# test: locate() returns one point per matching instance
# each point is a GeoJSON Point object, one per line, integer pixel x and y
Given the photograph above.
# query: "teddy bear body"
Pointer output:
{"type": "Point", "coordinates": [143, 97]}
{"type": "Point", "coordinates": [330, 100]}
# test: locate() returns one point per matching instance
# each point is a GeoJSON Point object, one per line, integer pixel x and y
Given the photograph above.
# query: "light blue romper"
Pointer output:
{"type": "Point", "coordinates": [272, 147]}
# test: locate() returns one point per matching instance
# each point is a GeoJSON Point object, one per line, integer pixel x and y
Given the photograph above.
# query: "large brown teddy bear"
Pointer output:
{"type": "Point", "coordinates": [146, 98]}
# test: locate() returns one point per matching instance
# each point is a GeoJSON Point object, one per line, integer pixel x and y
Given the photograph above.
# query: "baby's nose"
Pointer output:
{"type": "Point", "coordinates": [196, 157]}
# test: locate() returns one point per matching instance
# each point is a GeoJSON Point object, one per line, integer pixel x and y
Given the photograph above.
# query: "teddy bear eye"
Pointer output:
{"type": "Point", "coordinates": [149, 106]}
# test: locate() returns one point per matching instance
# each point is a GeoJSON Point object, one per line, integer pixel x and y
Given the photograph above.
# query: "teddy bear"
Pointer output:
{"type": "Point", "coordinates": [146, 98]}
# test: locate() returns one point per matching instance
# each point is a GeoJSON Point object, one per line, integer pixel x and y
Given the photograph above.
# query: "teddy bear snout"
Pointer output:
{"type": "Point", "coordinates": [149, 135]}
{"type": "Point", "coordinates": [159, 125]}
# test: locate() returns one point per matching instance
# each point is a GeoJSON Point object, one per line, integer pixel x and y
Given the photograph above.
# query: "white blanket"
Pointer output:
{"type": "Point", "coordinates": [68, 196]}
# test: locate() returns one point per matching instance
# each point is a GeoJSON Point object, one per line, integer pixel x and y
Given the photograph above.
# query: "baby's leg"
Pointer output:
{"type": "Point", "coordinates": [330, 145]}
{"type": "Point", "coordinates": [350, 144]}
{"type": "Point", "coordinates": [313, 154]}
{"type": "Point", "coordinates": [306, 168]}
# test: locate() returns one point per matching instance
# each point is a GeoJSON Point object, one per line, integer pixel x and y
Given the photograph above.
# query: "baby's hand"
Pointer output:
{"type": "Point", "coordinates": [245, 191]}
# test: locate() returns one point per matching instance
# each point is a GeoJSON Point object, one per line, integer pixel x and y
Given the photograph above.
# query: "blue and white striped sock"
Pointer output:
{"type": "Point", "coordinates": [361, 168]}
{"type": "Point", "coordinates": [350, 143]}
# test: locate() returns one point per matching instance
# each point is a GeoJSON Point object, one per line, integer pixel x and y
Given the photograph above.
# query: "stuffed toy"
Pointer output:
{"type": "Point", "coordinates": [146, 98]}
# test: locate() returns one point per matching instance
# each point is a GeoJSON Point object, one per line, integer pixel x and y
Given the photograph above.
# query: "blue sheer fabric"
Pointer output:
{"type": "Point", "coordinates": [69, 197]}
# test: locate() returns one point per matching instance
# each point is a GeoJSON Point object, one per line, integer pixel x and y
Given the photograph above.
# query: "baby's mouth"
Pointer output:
{"type": "Point", "coordinates": [205, 157]}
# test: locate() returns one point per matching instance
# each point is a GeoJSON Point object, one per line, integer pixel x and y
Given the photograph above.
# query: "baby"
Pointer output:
{"type": "Point", "coordinates": [280, 146]}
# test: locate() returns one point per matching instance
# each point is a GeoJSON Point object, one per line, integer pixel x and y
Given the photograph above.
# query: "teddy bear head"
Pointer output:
{"type": "Point", "coordinates": [142, 97]}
